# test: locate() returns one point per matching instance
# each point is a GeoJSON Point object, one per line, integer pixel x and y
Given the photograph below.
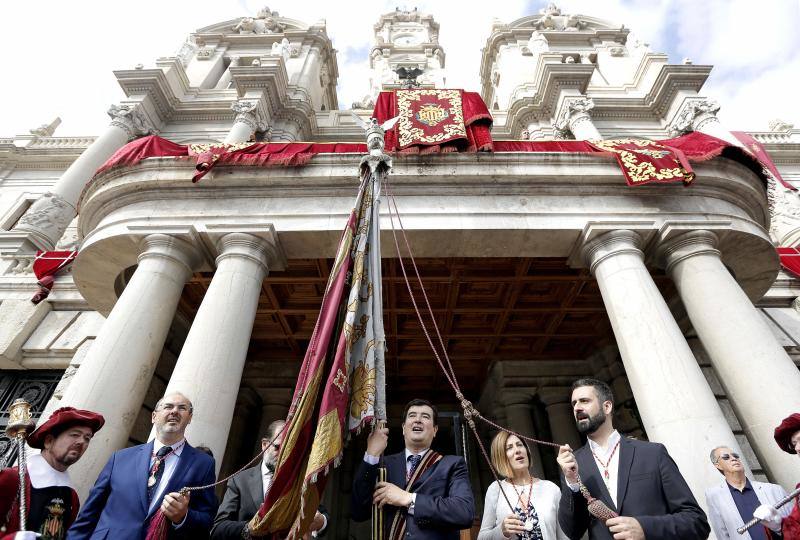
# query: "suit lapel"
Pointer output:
{"type": "Point", "coordinates": [256, 483]}
{"type": "Point", "coordinates": [176, 481]}
{"type": "Point", "coordinates": [142, 472]}
{"type": "Point", "coordinates": [396, 469]}
{"type": "Point", "coordinates": [594, 480]}
{"type": "Point", "coordinates": [626, 451]}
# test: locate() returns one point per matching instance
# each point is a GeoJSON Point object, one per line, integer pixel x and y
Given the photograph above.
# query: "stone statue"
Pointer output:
{"type": "Point", "coordinates": [246, 26]}
{"type": "Point", "coordinates": [282, 48]}
{"type": "Point", "coordinates": [47, 130]}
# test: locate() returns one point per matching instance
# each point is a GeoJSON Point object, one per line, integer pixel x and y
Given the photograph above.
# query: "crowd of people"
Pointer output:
{"type": "Point", "coordinates": [425, 494]}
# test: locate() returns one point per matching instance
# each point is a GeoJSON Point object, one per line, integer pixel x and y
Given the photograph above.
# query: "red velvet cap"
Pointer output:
{"type": "Point", "coordinates": [784, 432]}
{"type": "Point", "coordinates": [62, 419]}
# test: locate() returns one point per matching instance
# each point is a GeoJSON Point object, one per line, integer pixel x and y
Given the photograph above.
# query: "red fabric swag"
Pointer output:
{"type": "Point", "coordinates": [46, 266]}
{"type": "Point", "coordinates": [790, 260]}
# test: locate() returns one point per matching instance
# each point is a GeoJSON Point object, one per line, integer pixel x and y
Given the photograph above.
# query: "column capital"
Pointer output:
{"type": "Point", "coordinates": [131, 119]}
{"type": "Point", "coordinates": [688, 244]}
{"type": "Point", "coordinates": [573, 110]}
{"type": "Point", "coordinates": [170, 247]}
{"type": "Point", "coordinates": [248, 112]}
{"type": "Point", "coordinates": [246, 246]}
{"type": "Point", "coordinates": [611, 244]}
{"type": "Point", "coordinates": [693, 115]}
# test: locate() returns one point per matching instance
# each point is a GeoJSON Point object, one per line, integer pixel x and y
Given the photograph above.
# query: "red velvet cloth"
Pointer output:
{"type": "Point", "coordinates": [790, 260]}
{"type": "Point", "coordinates": [790, 526]}
{"type": "Point", "coordinates": [477, 121]}
{"type": "Point", "coordinates": [144, 147]}
{"type": "Point", "coordinates": [694, 146]}
{"type": "Point", "coordinates": [293, 154]}
{"type": "Point", "coordinates": [46, 266]}
{"type": "Point", "coordinates": [9, 501]}
{"type": "Point", "coordinates": [761, 154]}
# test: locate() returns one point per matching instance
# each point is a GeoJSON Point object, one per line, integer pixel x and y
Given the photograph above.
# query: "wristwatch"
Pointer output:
{"type": "Point", "coordinates": [246, 532]}
{"type": "Point", "coordinates": [412, 503]}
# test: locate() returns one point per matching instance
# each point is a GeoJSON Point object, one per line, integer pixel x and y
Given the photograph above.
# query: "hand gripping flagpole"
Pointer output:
{"type": "Point", "coordinates": [379, 165]}
{"type": "Point", "coordinates": [20, 424]}
{"type": "Point", "coordinates": [782, 502]}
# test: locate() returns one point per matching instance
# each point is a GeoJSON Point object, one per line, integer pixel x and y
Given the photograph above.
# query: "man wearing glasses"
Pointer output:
{"type": "Point", "coordinates": [732, 503]}
{"type": "Point", "coordinates": [246, 491]}
{"type": "Point", "coordinates": [138, 481]}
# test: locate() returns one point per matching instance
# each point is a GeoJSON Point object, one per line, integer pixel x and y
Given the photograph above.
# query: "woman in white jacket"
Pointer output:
{"type": "Point", "coordinates": [534, 515]}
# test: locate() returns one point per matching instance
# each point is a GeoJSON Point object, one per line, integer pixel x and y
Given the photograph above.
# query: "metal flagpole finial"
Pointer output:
{"type": "Point", "coordinates": [20, 422]}
{"type": "Point", "coordinates": [20, 425]}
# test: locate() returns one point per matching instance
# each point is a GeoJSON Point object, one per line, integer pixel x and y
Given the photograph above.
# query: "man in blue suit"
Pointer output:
{"type": "Point", "coordinates": [137, 481]}
{"type": "Point", "coordinates": [427, 496]}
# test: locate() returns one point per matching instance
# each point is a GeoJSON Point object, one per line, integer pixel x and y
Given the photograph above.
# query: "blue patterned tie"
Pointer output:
{"type": "Point", "coordinates": [414, 461]}
{"type": "Point", "coordinates": [159, 470]}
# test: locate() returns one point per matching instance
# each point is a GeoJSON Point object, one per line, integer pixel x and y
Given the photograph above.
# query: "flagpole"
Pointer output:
{"type": "Point", "coordinates": [379, 165]}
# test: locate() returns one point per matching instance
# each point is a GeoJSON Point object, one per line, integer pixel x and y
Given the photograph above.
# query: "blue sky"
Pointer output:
{"type": "Point", "coordinates": [58, 59]}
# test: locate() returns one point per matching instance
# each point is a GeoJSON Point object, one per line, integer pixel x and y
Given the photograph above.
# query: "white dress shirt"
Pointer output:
{"type": "Point", "coordinates": [602, 457]}
{"type": "Point", "coordinates": [169, 468]}
{"type": "Point", "coordinates": [266, 477]}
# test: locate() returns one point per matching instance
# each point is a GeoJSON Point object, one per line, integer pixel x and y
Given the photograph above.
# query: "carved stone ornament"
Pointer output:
{"type": "Point", "coordinates": [779, 125]}
{"type": "Point", "coordinates": [186, 53]}
{"type": "Point", "coordinates": [46, 130]}
{"type": "Point", "coordinates": [265, 22]}
{"type": "Point", "coordinates": [616, 51]}
{"type": "Point", "coordinates": [247, 112]}
{"type": "Point", "coordinates": [405, 15]}
{"type": "Point", "coordinates": [49, 217]}
{"type": "Point", "coordinates": [571, 109]}
{"type": "Point", "coordinates": [205, 53]}
{"type": "Point", "coordinates": [784, 209]}
{"type": "Point", "coordinates": [693, 113]}
{"type": "Point", "coordinates": [130, 119]}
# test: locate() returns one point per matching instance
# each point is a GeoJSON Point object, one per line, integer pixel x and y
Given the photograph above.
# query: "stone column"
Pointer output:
{"type": "Point", "coordinates": [760, 379]}
{"type": "Point", "coordinates": [48, 217]}
{"type": "Point", "coordinates": [519, 418]}
{"type": "Point", "coordinates": [249, 119]}
{"type": "Point", "coordinates": [677, 406]}
{"type": "Point", "coordinates": [561, 417]}
{"type": "Point", "coordinates": [115, 375]}
{"type": "Point", "coordinates": [573, 116]}
{"type": "Point", "coordinates": [209, 368]}
{"type": "Point", "coordinates": [701, 115]}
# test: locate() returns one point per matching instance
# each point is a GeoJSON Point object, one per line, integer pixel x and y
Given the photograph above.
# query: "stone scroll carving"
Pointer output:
{"type": "Point", "coordinates": [131, 119]}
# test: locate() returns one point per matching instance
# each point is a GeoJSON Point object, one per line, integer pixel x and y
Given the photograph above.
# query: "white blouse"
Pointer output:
{"type": "Point", "coordinates": [546, 496]}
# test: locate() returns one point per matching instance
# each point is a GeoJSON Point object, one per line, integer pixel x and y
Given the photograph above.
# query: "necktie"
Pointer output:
{"type": "Point", "coordinates": [414, 461]}
{"type": "Point", "coordinates": [157, 471]}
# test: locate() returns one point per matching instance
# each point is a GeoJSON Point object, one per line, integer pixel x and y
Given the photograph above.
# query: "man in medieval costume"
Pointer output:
{"type": "Point", "coordinates": [52, 503]}
{"type": "Point", "coordinates": [787, 435]}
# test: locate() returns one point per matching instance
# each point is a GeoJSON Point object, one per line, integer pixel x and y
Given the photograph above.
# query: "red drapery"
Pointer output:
{"type": "Point", "coordinates": [46, 266]}
{"type": "Point", "coordinates": [684, 150]}
{"type": "Point", "coordinates": [790, 260]}
{"type": "Point", "coordinates": [477, 124]}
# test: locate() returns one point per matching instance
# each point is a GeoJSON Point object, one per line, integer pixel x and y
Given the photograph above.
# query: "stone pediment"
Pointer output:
{"type": "Point", "coordinates": [261, 24]}
{"type": "Point", "coordinates": [557, 22]}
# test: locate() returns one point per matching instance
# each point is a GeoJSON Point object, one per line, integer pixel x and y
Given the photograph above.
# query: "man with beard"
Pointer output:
{"type": "Point", "coordinates": [246, 492]}
{"type": "Point", "coordinates": [51, 500]}
{"type": "Point", "coordinates": [138, 481]}
{"type": "Point", "coordinates": [636, 479]}
{"type": "Point", "coordinates": [426, 496]}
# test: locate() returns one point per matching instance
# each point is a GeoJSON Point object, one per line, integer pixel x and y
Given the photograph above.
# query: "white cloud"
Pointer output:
{"type": "Point", "coordinates": [59, 57]}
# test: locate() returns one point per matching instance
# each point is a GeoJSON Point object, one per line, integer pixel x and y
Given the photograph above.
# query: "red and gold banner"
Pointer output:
{"type": "Point", "coordinates": [644, 161]}
{"type": "Point", "coordinates": [435, 120]}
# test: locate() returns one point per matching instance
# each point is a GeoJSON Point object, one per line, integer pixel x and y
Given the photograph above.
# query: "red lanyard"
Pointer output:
{"type": "Point", "coordinates": [519, 493]}
{"type": "Point", "coordinates": [607, 463]}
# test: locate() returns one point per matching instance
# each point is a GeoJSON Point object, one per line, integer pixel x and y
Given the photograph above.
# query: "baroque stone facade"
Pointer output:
{"type": "Point", "coordinates": [544, 268]}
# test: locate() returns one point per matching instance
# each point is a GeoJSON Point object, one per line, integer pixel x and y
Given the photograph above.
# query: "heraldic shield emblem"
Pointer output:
{"type": "Point", "coordinates": [432, 114]}
{"type": "Point", "coordinates": [429, 116]}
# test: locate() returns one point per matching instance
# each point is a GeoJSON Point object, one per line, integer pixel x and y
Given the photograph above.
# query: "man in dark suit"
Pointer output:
{"type": "Point", "coordinates": [137, 481]}
{"type": "Point", "coordinates": [637, 479]}
{"type": "Point", "coordinates": [246, 491]}
{"type": "Point", "coordinates": [427, 495]}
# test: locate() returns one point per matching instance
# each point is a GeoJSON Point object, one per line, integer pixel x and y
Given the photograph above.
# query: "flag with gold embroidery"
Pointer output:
{"type": "Point", "coordinates": [336, 390]}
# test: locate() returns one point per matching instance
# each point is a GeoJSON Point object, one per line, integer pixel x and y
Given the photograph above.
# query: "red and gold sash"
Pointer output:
{"type": "Point", "coordinates": [398, 529]}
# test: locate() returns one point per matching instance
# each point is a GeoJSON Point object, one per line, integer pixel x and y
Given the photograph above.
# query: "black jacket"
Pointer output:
{"type": "Point", "coordinates": [650, 488]}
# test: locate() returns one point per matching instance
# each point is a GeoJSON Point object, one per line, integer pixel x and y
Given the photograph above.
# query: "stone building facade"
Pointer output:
{"type": "Point", "coordinates": [543, 267]}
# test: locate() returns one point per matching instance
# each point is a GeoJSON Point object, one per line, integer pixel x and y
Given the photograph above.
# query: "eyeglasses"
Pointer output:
{"type": "Point", "coordinates": [726, 457]}
{"type": "Point", "coordinates": [276, 447]}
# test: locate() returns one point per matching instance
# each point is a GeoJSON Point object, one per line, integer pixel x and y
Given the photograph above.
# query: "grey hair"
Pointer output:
{"type": "Point", "coordinates": [713, 455]}
{"type": "Point", "coordinates": [160, 401]}
{"type": "Point", "coordinates": [273, 429]}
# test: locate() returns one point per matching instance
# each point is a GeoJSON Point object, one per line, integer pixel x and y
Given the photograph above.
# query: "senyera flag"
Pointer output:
{"type": "Point", "coordinates": [336, 388]}
{"type": "Point", "coordinates": [46, 266]}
